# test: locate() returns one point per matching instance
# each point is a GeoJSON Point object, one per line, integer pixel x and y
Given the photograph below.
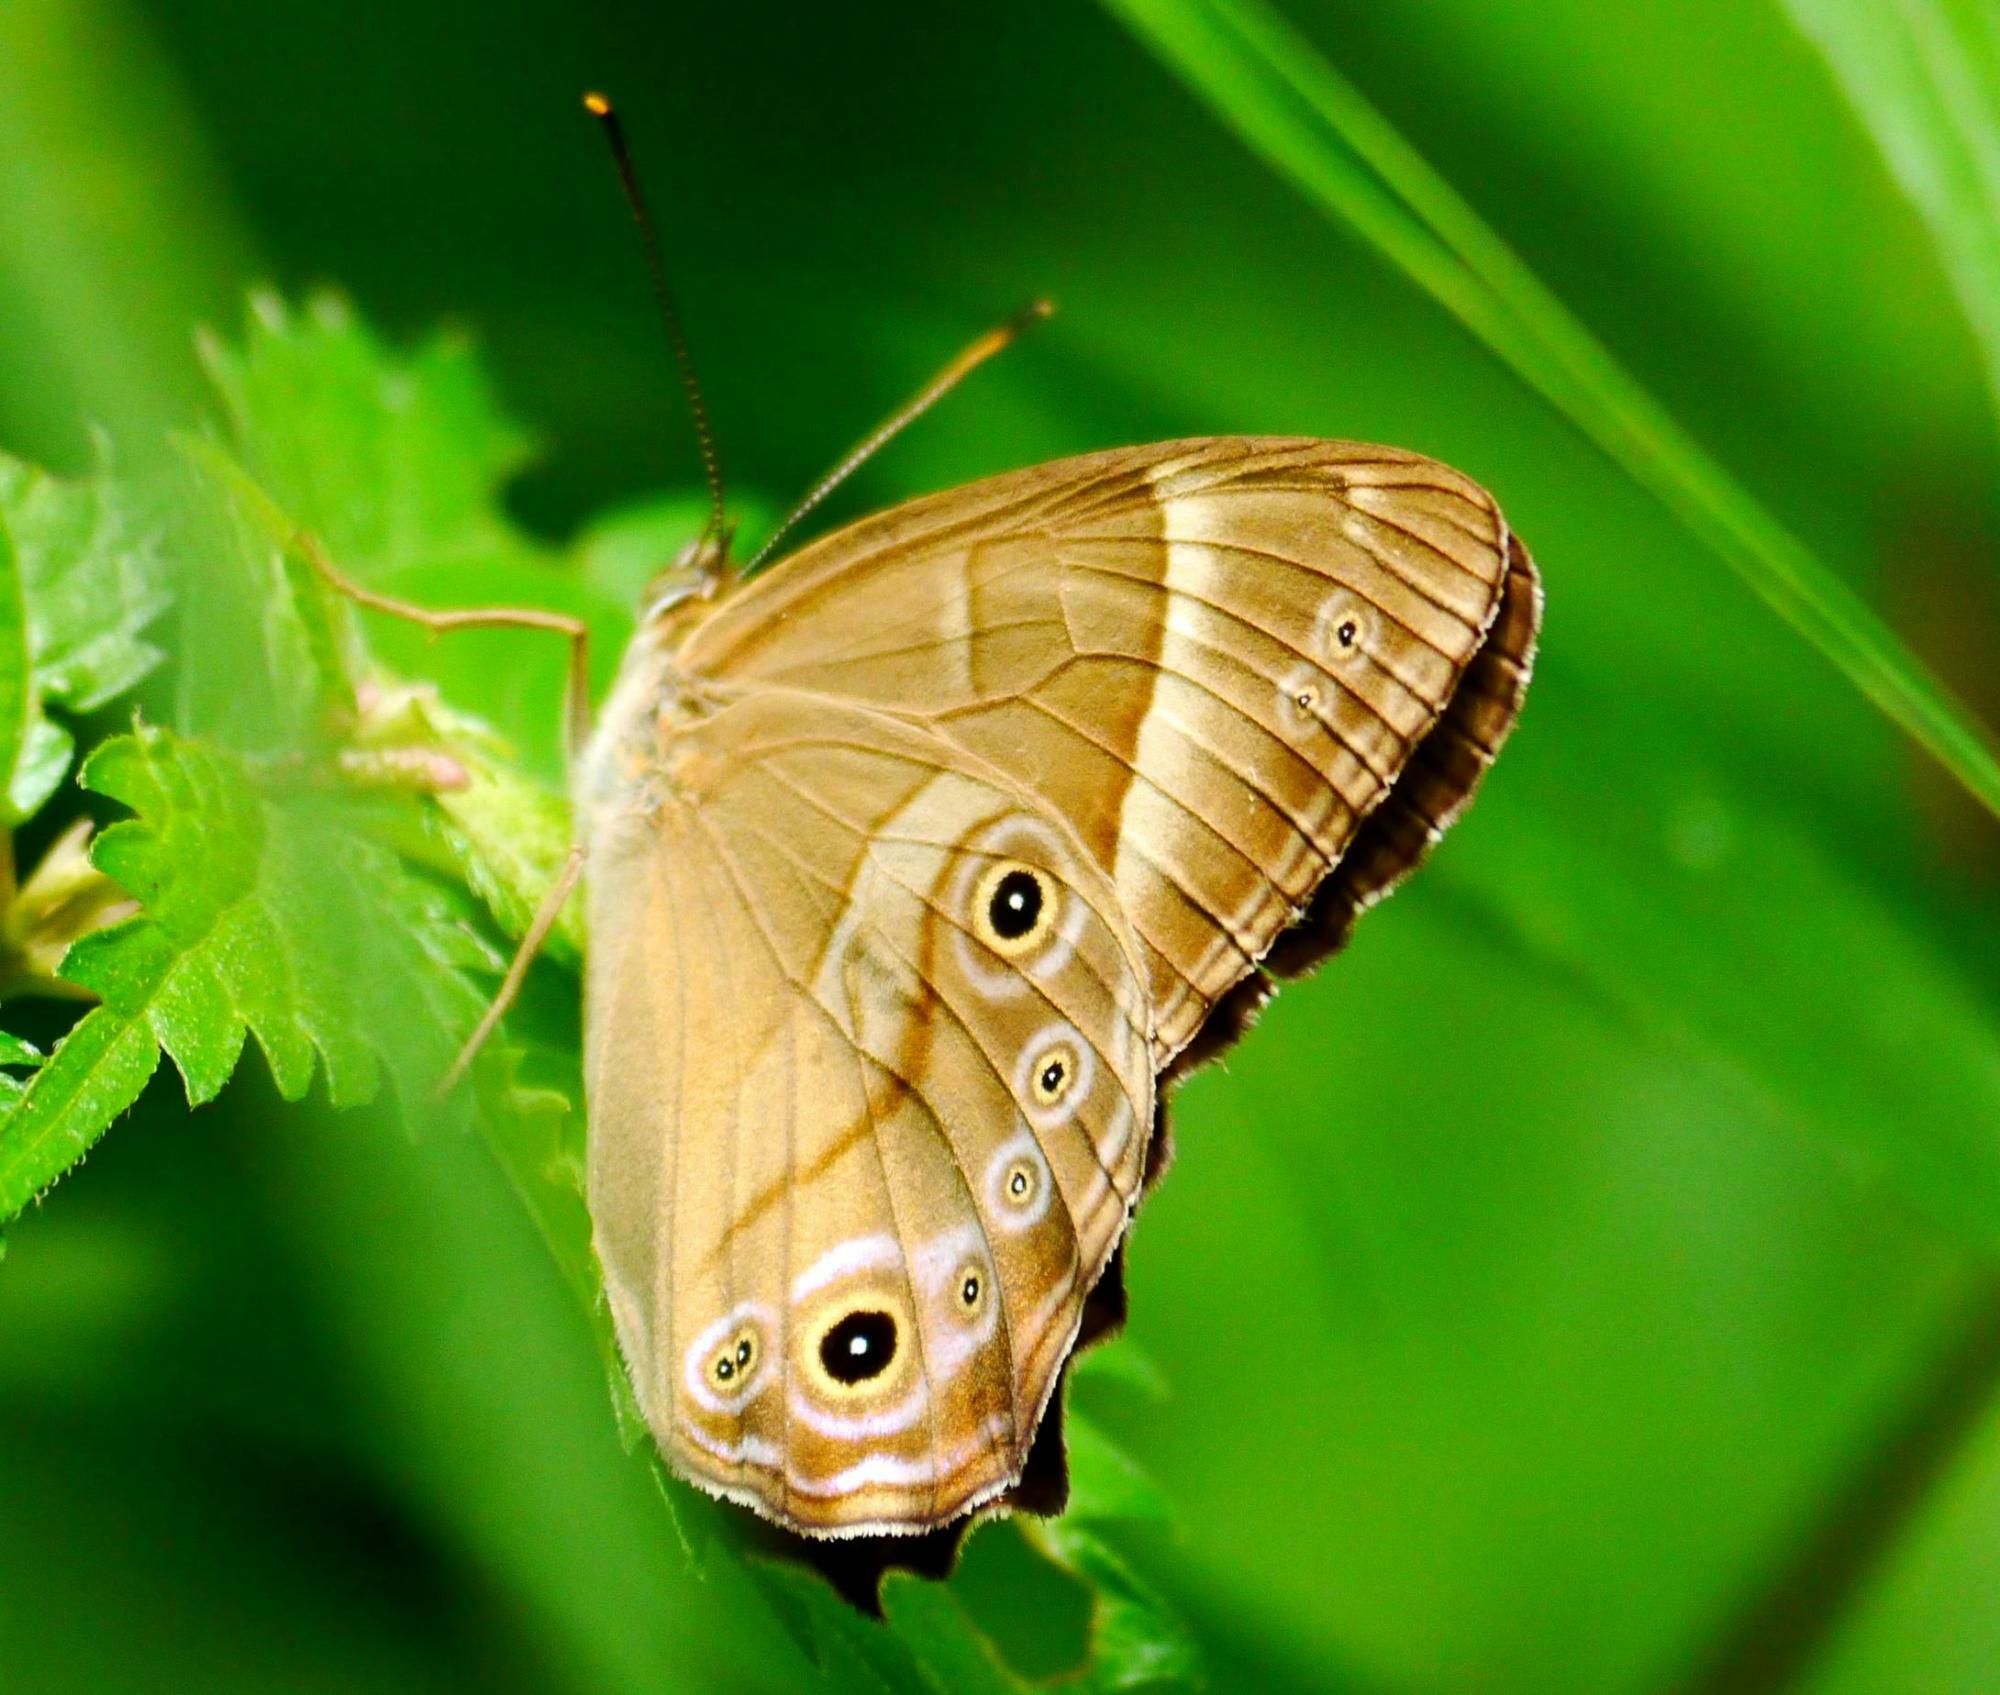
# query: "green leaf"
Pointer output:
{"type": "Point", "coordinates": [1282, 97]}
{"type": "Point", "coordinates": [267, 913]}
{"type": "Point", "coordinates": [1924, 77]}
{"type": "Point", "coordinates": [80, 579]}
{"type": "Point", "coordinates": [390, 461]}
{"type": "Point", "coordinates": [1137, 1641]}
{"type": "Point", "coordinates": [1105, 1482]}
{"type": "Point", "coordinates": [508, 837]}
{"type": "Point", "coordinates": [271, 667]}
{"type": "Point", "coordinates": [95, 1073]}
{"type": "Point", "coordinates": [1127, 1365]}
{"type": "Point", "coordinates": [928, 1644]}
{"type": "Point", "coordinates": [15, 1051]}
{"type": "Point", "coordinates": [951, 1654]}
{"type": "Point", "coordinates": [396, 462]}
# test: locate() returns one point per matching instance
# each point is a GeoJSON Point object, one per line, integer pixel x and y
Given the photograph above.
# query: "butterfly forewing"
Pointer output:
{"type": "Point", "coordinates": [914, 862]}
{"type": "Point", "coordinates": [1213, 658]}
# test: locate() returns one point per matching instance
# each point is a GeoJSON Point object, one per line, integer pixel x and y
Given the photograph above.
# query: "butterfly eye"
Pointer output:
{"type": "Point", "coordinates": [858, 1347]}
{"type": "Point", "coordinates": [1013, 908]}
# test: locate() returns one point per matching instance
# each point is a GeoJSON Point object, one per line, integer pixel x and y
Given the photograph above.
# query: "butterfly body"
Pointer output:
{"type": "Point", "coordinates": [916, 862]}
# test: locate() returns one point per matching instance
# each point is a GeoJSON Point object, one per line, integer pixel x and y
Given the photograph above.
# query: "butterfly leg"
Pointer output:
{"type": "Point", "coordinates": [576, 720]}
{"type": "Point", "coordinates": [517, 969]}
{"type": "Point", "coordinates": [576, 699]}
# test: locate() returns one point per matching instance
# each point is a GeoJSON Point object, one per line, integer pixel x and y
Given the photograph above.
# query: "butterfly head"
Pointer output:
{"type": "Point", "coordinates": [699, 574]}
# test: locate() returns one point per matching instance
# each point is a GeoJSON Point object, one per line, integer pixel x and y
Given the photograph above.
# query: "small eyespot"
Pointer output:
{"type": "Point", "coordinates": [1055, 1072]}
{"type": "Point", "coordinates": [1013, 908]}
{"type": "Point", "coordinates": [971, 1289]}
{"type": "Point", "coordinates": [1344, 628]}
{"type": "Point", "coordinates": [735, 1360]}
{"type": "Point", "coordinates": [1305, 698]}
{"type": "Point", "coordinates": [858, 1347]}
{"type": "Point", "coordinates": [1016, 1184]}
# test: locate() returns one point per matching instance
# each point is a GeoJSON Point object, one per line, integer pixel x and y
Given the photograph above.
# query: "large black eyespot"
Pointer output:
{"type": "Point", "coordinates": [1014, 907]}
{"type": "Point", "coordinates": [859, 1347]}
{"type": "Point", "coordinates": [1016, 904]}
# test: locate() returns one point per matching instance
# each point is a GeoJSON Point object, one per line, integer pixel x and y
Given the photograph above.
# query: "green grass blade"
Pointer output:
{"type": "Point", "coordinates": [1924, 78]}
{"type": "Point", "coordinates": [1281, 96]}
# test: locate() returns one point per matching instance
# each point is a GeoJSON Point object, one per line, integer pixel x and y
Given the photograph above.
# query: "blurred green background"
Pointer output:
{"type": "Point", "coordinates": [1587, 1282]}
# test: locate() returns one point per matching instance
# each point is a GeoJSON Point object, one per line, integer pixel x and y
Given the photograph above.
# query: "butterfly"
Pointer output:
{"type": "Point", "coordinates": [918, 861]}
{"type": "Point", "coordinates": [923, 863]}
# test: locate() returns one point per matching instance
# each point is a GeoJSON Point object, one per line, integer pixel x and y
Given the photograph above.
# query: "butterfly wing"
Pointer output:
{"type": "Point", "coordinates": [1232, 665]}
{"type": "Point", "coordinates": [856, 1156]}
{"type": "Point", "coordinates": [918, 858]}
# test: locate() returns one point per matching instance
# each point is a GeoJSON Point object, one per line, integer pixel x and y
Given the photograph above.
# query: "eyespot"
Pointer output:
{"type": "Point", "coordinates": [1345, 629]}
{"type": "Point", "coordinates": [1013, 908]}
{"type": "Point", "coordinates": [1002, 966]}
{"type": "Point", "coordinates": [1054, 1074]}
{"type": "Point", "coordinates": [969, 1288]}
{"type": "Point", "coordinates": [1306, 698]}
{"type": "Point", "coordinates": [1017, 1183]}
{"type": "Point", "coordinates": [734, 1361]}
{"type": "Point", "coordinates": [858, 1347]}
{"type": "Point", "coordinates": [724, 1367]}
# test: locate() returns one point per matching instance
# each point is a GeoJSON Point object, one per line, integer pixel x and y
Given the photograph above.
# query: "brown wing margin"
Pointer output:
{"type": "Point", "coordinates": [1437, 783]}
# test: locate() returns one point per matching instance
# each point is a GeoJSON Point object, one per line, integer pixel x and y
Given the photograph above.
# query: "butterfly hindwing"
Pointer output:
{"type": "Point", "coordinates": [849, 1208]}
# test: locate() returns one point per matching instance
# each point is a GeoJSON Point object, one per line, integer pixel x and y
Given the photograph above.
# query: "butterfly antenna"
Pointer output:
{"type": "Point", "coordinates": [993, 341]}
{"type": "Point", "coordinates": [711, 463]}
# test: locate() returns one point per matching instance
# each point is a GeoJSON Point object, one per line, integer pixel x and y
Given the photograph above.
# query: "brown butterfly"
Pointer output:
{"type": "Point", "coordinates": [918, 862]}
